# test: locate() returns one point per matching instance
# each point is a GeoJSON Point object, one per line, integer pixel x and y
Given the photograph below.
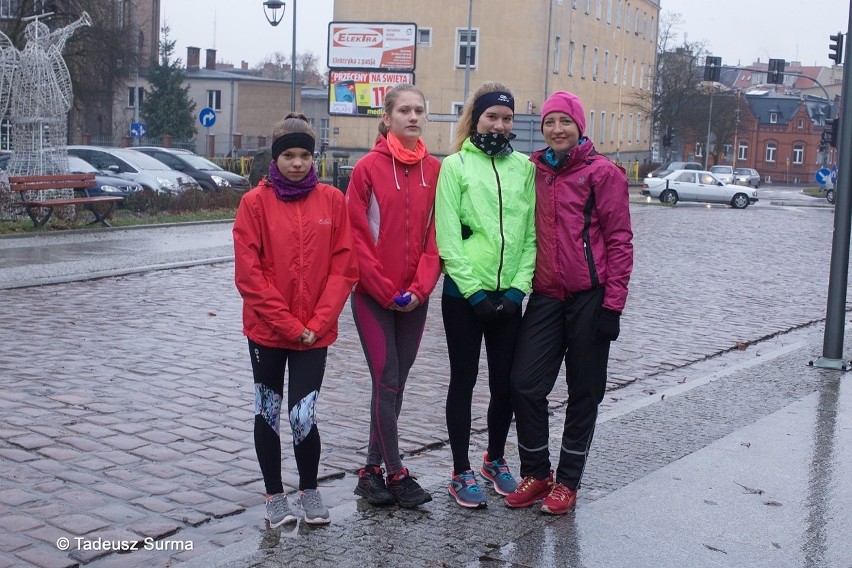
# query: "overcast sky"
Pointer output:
{"type": "Point", "coordinates": [740, 31]}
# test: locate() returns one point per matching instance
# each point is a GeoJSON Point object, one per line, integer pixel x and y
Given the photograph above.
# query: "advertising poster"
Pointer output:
{"type": "Point", "coordinates": [362, 45]}
{"type": "Point", "coordinates": [361, 93]}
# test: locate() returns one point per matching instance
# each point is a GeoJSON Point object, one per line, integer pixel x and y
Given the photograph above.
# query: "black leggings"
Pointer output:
{"type": "Point", "coordinates": [306, 373]}
{"type": "Point", "coordinates": [464, 342]}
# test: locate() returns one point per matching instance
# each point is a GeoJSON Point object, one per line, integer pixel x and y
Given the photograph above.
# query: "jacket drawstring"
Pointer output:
{"type": "Point", "coordinates": [395, 178]}
{"type": "Point", "coordinates": [422, 179]}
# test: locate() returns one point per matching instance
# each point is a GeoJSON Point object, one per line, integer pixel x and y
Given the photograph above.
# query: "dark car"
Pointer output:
{"type": "Point", "coordinates": [104, 185]}
{"type": "Point", "coordinates": [208, 175]}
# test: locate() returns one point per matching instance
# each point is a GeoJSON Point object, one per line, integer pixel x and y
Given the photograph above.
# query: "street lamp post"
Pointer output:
{"type": "Point", "coordinates": [273, 16]}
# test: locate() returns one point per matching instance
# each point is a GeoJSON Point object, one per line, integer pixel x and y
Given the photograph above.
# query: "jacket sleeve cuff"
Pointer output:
{"type": "Point", "coordinates": [477, 297]}
{"type": "Point", "coordinates": [515, 295]}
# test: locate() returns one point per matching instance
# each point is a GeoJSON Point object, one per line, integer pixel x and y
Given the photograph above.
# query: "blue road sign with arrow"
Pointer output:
{"type": "Point", "coordinates": [823, 175]}
{"type": "Point", "coordinates": [137, 129]}
{"type": "Point", "coordinates": [207, 117]}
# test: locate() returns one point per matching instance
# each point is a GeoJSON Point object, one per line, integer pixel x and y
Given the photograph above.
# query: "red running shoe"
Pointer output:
{"type": "Point", "coordinates": [529, 491]}
{"type": "Point", "coordinates": [561, 499]}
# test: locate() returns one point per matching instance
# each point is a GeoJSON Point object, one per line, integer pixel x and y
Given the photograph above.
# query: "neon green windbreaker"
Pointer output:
{"type": "Point", "coordinates": [485, 220]}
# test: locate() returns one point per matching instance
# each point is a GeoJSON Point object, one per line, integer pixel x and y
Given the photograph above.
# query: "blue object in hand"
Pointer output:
{"type": "Point", "coordinates": [401, 299]}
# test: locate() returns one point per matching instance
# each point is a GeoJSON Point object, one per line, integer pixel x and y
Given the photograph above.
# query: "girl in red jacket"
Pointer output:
{"type": "Point", "coordinates": [294, 268]}
{"type": "Point", "coordinates": [391, 198]}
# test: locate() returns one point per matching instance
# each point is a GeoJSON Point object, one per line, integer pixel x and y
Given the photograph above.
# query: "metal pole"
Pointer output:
{"type": "Point", "coordinates": [835, 314]}
{"type": "Point", "coordinates": [293, 65]}
{"type": "Point", "coordinates": [467, 50]}
{"type": "Point", "coordinates": [709, 120]}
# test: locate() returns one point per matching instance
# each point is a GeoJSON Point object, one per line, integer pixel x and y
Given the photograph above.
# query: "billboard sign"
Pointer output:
{"type": "Point", "coordinates": [364, 45]}
{"type": "Point", "coordinates": [353, 92]}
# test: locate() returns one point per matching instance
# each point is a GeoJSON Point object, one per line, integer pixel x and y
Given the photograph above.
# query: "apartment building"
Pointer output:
{"type": "Point", "coordinates": [602, 50]}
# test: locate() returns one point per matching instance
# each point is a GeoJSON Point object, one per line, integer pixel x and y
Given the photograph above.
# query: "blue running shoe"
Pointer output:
{"type": "Point", "coordinates": [497, 472]}
{"type": "Point", "coordinates": [466, 491]}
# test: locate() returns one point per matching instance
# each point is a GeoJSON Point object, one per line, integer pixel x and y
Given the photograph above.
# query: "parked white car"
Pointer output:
{"type": "Point", "coordinates": [699, 186]}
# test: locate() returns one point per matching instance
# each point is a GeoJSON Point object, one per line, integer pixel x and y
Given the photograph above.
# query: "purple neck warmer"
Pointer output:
{"type": "Point", "coordinates": [287, 190]}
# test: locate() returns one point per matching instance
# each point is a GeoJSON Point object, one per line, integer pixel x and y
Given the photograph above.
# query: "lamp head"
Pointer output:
{"type": "Point", "coordinates": [271, 11]}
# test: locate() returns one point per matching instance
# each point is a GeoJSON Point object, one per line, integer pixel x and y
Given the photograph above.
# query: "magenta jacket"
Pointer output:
{"type": "Point", "coordinates": [583, 232]}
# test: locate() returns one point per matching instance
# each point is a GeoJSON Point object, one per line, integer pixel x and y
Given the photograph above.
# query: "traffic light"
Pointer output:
{"type": "Point", "coordinates": [837, 47]}
{"type": "Point", "coordinates": [712, 68]}
{"type": "Point", "coordinates": [776, 71]}
{"type": "Point", "coordinates": [829, 134]}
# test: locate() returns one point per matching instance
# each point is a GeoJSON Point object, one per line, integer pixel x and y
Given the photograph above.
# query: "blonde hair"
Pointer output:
{"type": "Point", "coordinates": [390, 102]}
{"type": "Point", "coordinates": [293, 122]}
{"type": "Point", "coordinates": [465, 126]}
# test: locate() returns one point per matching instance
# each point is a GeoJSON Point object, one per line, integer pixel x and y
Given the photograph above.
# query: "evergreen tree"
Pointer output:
{"type": "Point", "coordinates": [167, 108]}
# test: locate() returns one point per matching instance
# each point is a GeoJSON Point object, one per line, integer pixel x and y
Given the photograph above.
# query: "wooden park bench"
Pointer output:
{"type": "Point", "coordinates": [40, 210]}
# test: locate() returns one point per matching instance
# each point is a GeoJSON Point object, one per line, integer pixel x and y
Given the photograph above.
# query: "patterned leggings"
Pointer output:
{"type": "Point", "coordinates": [306, 373]}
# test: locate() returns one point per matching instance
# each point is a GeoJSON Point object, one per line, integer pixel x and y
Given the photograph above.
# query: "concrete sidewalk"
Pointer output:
{"type": "Point", "coordinates": [745, 466]}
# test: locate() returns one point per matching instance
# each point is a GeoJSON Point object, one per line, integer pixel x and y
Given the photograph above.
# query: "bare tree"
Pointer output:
{"type": "Point", "coordinates": [676, 100]}
{"type": "Point", "coordinates": [277, 66]}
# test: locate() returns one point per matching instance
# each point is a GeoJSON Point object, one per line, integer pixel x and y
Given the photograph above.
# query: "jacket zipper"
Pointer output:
{"type": "Point", "coordinates": [407, 220]}
{"type": "Point", "coordinates": [500, 211]}
{"type": "Point", "coordinates": [587, 247]}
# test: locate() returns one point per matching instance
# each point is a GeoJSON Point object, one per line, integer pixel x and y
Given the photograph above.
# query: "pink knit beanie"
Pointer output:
{"type": "Point", "coordinates": [569, 103]}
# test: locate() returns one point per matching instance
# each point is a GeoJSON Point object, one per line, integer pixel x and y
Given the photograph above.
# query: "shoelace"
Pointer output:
{"type": "Point", "coordinates": [312, 500]}
{"type": "Point", "coordinates": [278, 505]}
{"type": "Point", "coordinates": [560, 492]}
{"type": "Point", "coordinates": [470, 481]}
{"type": "Point", "coordinates": [527, 483]}
{"type": "Point", "coordinates": [502, 469]}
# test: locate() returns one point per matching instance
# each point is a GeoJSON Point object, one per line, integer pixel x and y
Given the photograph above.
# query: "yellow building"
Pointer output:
{"type": "Point", "coordinates": [602, 50]}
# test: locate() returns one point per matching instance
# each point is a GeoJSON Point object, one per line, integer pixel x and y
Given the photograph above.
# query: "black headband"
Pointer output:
{"type": "Point", "coordinates": [293, 140]}
{"type": "Point", "coordinates": [488, 100]}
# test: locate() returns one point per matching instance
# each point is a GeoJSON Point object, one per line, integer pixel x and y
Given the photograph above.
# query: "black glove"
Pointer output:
{"type": "Point", "coordinates": [509, 308]}
{"type": "Point", "coordinates": [607, 328]}
{"type": "Point", "coordinates": [486, 311]}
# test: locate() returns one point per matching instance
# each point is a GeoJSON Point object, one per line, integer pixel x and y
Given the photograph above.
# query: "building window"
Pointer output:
{"type": "Point", "coordinates": [641, 76]}
{"type": "Point", "coordinates": [615, 71]}
{"type": "Point", "coordinates": [324, 125]}
{"type": "Point", "coordinates": [620, 129]}
{"type": "Point", "coordinates": [598, 10]}
{"type": "Point", "coordinates": [606, 67]}
{"type": "Point", "coordinates": [612, 128]}
{"type": "Point", "coordinates": [630, 128]}
{"type": "Point", "coordinates": [699, 150]}
{"type": "Point", "coordinates": [583, 63]}
{"type": "Point", "coordinates": [638, 127]}
{"type": "Point", "coordinates": [595, 65]}
{"type": "Point", "coordinates": [633, 75]}
{"type": "Point", "coordinates": [603, 128]}
{"type": "Point", "coordinates": [424, 36]}
{"type": "Point", "coordinates": [801, 124]}
{"type": "Point", "coordinates": [742, 151]}
{"type": "Point", "coordinates": [636, 22]}
{"type": "Point", "coordinates": [571, 58]}
{"type": "Point", "coordinates": [798, 154]}
{"type": "Point", "coordinates": [773, 118]}
{"type": "Point", "coordinates": [591, 126]}
{"type": "Point", "coordinates": [618, 13]}
{"type": "Point", "coordinates": [557, 52]}
{"type": "Point", "coordinates": [627, 18]}
{"type": "Point", "coordinates": [466, 45]}
{"type": "Point", "coordinates": [5, 134]}
{"type": "Point", "coordinates": [588, 6]}
{"type": "Point", "coordinates": [771, 151]}
{"type": "Point", "coordinates": [132, 98]}
{"type": "Point", "coordinates": [609, 12]}
{"type": "Point", "coordinates": [214, 99]}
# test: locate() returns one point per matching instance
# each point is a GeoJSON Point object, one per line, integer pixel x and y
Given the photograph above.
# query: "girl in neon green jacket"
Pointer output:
{"type": "Point", "coordinates": [485, 223]}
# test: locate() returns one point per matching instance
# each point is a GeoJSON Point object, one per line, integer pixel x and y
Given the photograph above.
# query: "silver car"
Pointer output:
{"type": "Point", "coordinates": [747, 176]}
{"type": "Point", "coordinates": [136, 166]}
{"type": "Point", "coordinates": [724, 173]}
{"type": "Point", "coordinates": [699, 186]}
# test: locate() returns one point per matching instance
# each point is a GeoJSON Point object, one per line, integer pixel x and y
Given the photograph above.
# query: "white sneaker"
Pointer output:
{"type": "Point", "coordinates": [315, 512]}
